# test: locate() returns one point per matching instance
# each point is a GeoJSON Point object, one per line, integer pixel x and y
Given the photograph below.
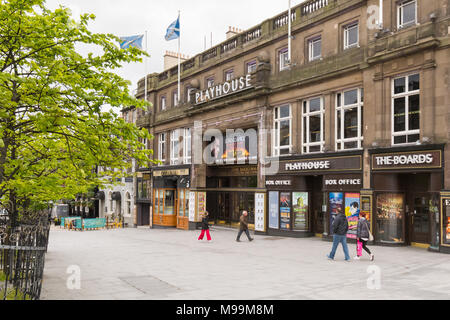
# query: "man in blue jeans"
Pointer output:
{"type": "Point", "coordinates": [339, 229]}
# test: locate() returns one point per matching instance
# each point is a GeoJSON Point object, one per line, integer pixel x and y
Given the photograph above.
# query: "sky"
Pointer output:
{"type": "Point", "coordinates": [198, 18]}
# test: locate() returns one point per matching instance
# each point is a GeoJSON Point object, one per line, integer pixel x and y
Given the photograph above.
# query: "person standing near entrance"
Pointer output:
{"type": "Point", "coordinates": [243, 226]}
{"type": "Point", "coordinates": [362, 237]}
{"type": "Point", "coordinates": [205, 227]}
{"type": "Point", "coordinates": [339, 229]}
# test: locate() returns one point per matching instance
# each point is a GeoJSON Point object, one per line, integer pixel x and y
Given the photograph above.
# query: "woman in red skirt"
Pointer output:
{"type": "Point", "coordinates": [205, 227]}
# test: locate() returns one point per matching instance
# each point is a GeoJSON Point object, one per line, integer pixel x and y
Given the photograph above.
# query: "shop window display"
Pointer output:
{"type": "Point", "coordinates": [390, 218]}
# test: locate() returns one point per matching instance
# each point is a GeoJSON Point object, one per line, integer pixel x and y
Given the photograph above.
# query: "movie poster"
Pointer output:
{"type": "Point", "coordinates": [336, 205]}
{"type": "Point", "coordinates": [273, 210]}
{"type": "Point", "coordinates": [446, 219]}
{"type": "Point", "coordinates": [285, 210]}
{"type": "Point", "coordinates": [300, 208]}
{"type": "Point", "coordinates": [352, 209]}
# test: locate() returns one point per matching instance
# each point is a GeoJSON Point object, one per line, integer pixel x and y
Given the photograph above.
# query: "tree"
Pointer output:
{"type": "Point", "coordinates": [53, 132]}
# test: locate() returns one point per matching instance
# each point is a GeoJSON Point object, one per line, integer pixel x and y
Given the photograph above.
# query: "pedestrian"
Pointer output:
{"type": "Point", "coordinates": [339, 229]}
{"type": "Point", "coordinates": [205, 227]}
{"type": "Point", "coordinates": [362, 237]}
{"type": "Point", "coordinates": [243, 226]}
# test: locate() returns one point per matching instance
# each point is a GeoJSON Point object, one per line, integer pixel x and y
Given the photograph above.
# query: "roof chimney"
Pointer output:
{"type": "Point", "coordinates": [171, 59]}
{"type": "Point", "coordinates": [232, 31]}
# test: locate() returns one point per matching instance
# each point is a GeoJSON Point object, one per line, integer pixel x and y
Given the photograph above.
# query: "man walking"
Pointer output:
{"type": "Point", "coordinates": [339, 229]}
{"type": "Point", "coordinates": [243, 226]}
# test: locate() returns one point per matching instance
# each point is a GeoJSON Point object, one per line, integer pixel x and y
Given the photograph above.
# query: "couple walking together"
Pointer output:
{"type": "Point", "coordinates": [340, 229]}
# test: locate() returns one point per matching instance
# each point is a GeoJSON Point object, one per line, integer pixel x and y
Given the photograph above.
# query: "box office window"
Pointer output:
{"type": "Point", "coordinates": [349, 119]}
{"type": "Point", "coordinates": [282, 140]}
{"type": "Point", "coordinates": [406, 14]}
{"type": "Point", "coordinates": [406, 109]}
{"type": "Point", "coordinates": [313, 125]}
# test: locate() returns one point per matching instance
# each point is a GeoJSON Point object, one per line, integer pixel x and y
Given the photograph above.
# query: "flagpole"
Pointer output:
{"type": "Point", "coordinates": [179, 60]}
{"type": "Point", "coordinates": [289, 34]}
{"type": "Point", "coordinates": [146, 65]}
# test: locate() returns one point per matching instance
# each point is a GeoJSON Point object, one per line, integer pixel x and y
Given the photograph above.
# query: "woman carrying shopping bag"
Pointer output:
{"type": "Point", "coordinates": [205, 227]}
{"type": "Point", "coordinates": [363, 235]}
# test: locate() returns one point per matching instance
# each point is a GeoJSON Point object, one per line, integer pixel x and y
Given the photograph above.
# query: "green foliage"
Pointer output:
{"type": "Point", "coordinates": [53, 132]}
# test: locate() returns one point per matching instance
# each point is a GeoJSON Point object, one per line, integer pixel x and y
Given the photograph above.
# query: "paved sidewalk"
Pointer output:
{"type": "Point", "coordinates": [172, 264]}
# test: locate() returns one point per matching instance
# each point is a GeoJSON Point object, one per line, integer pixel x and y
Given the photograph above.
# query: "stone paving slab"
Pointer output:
{"type": "Point", "coordinates": [160, 264]}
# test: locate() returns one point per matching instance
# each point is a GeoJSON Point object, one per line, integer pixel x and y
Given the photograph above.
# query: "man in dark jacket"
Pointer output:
{"type": "Point", "coordinates": [339, 229]}
{"type": "Point", "coordinates": [243, 227]}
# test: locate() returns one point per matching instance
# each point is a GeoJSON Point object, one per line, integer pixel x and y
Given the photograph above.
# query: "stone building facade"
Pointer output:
{"type": "Point", "coordinates": [357, 121]}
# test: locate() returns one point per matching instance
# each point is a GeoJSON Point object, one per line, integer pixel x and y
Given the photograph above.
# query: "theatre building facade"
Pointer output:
{"type": "Point", "coordinates": [358, 120]}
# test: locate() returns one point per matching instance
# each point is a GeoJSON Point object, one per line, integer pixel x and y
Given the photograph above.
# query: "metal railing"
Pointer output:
{"type": "Point", "coordinates": [22, 257]}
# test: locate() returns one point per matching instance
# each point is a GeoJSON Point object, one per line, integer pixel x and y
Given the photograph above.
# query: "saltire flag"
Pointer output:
{"type": "Point", "coordinates": [132, 41]}
{"type": "Point", "coordinates": [173, 31]}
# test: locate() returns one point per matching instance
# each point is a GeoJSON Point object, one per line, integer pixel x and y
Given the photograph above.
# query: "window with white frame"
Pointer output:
{"type": "Point", "coordinates": [313, 125]}
{"type": "Point", "coordinates": [406, 109]}
{"type": "Point", "coordinates": [163, 103]}
{"type": "Point", "coordinates": [175, 98]}
{"type": "Point", "coordinates": [210, 82]}
{"type": "Point", "coordinates": [174, 147]}
{"type": "Point", "coordinates": [282, 137]}
{"type": "Point", "coordinates": [128, 199]}
{"type": "Point", "coordinates": [187, 146]}
{"type": "Point", "coordinates": [349, 119]}
{"type": "Point", "coordinates": [188, 93]}
{"type": "Point", "coordinates": [406, 13]}
{"type": "Point", "coordinates": [283, 58]}
{"type": "Point", "coordinates": [111, 202]}
{"type": "Point", "coordinates": [315, 48]}
{"type": "Point", "coordinates": [351, 35]}
{"type": "Point", "coordinates": [251, 66]}
{"type": "Point", "coordinates": [229, 75]}
{"type": "Point", "coordinates": [162, 147]}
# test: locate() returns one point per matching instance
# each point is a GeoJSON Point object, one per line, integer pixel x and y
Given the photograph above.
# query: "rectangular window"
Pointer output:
{"type": "Point", "coordinates": [406, 109]}
{"type": "Point", "coordinates": [187, 146]}
{"type": "Point", "coordinates": [229, 75]}
{"type": "Point", "coordinates": [251, 67]}
{"type": "Point", "coordinates": [163, 103]}
{"type": "Point", "coordinates": [282, 139]}
{"type": "Point", "coordinates": [174, 147]}
{"type": "Point", "coordinates": [349, 119]}
{"type": "Point", "coordinates": [313, 125]}
{"type": "Point", "coordinates": [210, 82]}
{"type": "Point", "coordinates": [315, 48]}
{"type": "Point", "coordinates": [351, 36]}
{"type": "Point", "coordinates": [162, 147]}
{"type": "Point", "coordinates": [406, 14]}
{"type": "Point", "coordinates": [283, 56]}
{"type": "Point", "coordinates": [175, 98]}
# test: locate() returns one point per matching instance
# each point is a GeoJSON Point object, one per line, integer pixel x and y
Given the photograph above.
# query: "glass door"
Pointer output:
{"type": "Point", "coordinates": [419, 218]}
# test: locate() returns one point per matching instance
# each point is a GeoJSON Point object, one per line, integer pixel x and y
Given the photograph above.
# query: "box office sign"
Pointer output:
{"type": "Point", "coordinates": [342, 182]}
{"type": "Point", "coordinates": [281, 182]}
{"type": "Point", "coordinates": [407, 160]}
{"type": "Point", "coordinates": [349, 163]}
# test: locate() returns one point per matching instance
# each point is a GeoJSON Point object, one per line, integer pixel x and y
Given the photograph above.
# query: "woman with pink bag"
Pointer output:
{"type": "Point", "coordinates": [363, 235]}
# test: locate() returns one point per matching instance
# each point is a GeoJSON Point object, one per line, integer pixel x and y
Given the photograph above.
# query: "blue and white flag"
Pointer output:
{"type": "Point", "coordinates": [173, 31]}
{"type": "Point", "coordinates": [133, 41]}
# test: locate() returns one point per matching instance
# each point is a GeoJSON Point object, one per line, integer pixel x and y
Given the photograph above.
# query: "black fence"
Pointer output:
{"type": "Point", "coordinates": [22, 256]}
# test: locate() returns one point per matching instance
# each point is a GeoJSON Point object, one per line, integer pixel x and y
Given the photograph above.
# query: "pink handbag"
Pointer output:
{"type": "Point", "coordinates": [359, 246]}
